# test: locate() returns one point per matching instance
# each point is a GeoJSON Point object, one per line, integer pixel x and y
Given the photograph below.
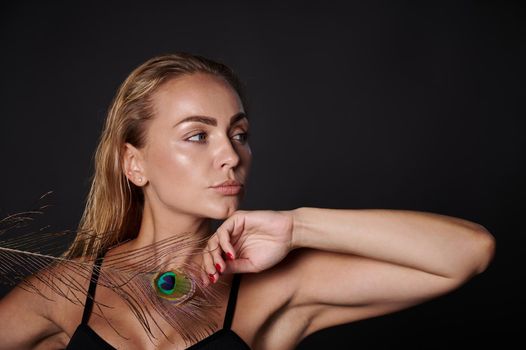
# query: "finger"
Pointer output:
{"type": "Point", "coordinates": [218, 261]}
{"type": "Point", "coordinates": [226, 246]}
{"type": "Point", "coordinates": [239, 227]}
{"type": "Point", "coordinates": [204, 277]}
{"type": "Point", "coordinates": [202, 271]}
{"type": "Point", "coordinates": [209, 267]}
{"type": "Point", "coordinates": [228, 232]}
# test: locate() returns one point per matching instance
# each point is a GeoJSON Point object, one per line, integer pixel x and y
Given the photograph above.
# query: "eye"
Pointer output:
{"type": "Point", "coordinates": [201, 133]}
{"type": "Point", "coordinates": [244, 137]}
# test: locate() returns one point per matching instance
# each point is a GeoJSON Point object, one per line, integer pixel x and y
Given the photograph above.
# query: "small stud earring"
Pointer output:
{"type": "Point", "coordinates": [140, 179]}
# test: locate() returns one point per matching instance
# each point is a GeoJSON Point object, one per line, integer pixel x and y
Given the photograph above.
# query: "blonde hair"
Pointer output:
{"type": "Point", "coordinates": [113, 211]}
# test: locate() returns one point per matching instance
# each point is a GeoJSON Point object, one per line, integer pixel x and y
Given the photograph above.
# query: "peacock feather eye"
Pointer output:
{"type": "Point", "coordinates": [166, 282]}
{"type": "Point", "coordinates": [175, 287]}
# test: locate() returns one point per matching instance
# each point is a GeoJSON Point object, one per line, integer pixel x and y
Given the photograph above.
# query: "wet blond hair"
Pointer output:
{"type": "Point", "coordinates": [113, 211]}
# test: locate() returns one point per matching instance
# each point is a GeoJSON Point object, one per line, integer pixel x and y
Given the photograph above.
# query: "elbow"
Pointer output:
{"type": "Point", "coordinates": [486, 249]}
{"type": "Point", "coordinates": [478, 253]}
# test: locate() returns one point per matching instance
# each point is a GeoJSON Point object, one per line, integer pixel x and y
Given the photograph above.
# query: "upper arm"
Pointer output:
{"type": "Point", "coordinates": [24, 319]}
{"type": "Point", "coordinates": [340, 288]}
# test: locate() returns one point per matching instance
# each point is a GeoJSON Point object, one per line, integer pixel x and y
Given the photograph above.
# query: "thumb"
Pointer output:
{"type": "Point", "coordinates": [241, 265]}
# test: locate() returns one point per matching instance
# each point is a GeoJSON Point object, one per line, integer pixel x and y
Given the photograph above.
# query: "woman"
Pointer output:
{"type": "Point", "coordinates": [174, 154]}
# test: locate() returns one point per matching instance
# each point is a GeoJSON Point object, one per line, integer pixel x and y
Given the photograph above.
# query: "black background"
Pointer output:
{"type": "Point", "coordinates": [400, 105]}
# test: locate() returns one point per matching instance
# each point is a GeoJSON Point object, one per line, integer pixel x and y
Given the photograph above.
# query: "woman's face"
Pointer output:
{"type": "Point", "coordinates": [183, 159]}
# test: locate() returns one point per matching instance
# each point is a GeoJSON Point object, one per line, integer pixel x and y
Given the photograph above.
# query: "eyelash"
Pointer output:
{"type": "Point", "coordinates": [245, 135]}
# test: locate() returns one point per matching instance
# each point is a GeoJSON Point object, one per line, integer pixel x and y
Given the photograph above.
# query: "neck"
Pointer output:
{"type": "Point", "coordinates": [159, 222]}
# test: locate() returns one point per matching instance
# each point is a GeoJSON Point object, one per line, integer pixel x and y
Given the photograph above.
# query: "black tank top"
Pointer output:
{"type": "Point", "coordinates": [86, 338]}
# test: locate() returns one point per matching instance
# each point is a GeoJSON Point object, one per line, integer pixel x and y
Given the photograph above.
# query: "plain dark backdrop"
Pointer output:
{"type": "Point", "coordinates": [399, 105]}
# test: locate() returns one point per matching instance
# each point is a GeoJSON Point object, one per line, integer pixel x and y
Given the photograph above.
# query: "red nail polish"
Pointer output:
{"type": "Point", "coordinates": [211, 278]}
{"type": "Point", "coordinates": [218, 267]}
{"type": "Point", "coordinates": [230, 256]}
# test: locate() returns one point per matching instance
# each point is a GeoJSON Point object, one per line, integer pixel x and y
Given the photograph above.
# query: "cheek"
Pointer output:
{"type": "Point", "coordinates": [176, 168]}
{"type": "Point", "coordinates": [246, 159]}
{"type": "Point", "coordinates": [167, 166]}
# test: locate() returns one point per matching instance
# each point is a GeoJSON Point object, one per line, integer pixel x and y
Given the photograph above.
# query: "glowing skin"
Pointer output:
{"type": "Point", "coordinates": [180, 162]}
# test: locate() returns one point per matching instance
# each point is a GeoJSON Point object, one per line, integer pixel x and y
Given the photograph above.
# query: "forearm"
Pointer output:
{"type": "Point", "coordinates": [434, 243]}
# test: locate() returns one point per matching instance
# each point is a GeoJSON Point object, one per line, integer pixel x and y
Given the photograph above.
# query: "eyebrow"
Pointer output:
{"type": "Point", "coordinates": [211, 121]}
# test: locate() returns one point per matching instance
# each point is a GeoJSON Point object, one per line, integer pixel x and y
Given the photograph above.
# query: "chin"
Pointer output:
{"type": "Point", "coordinates": [223, 212]}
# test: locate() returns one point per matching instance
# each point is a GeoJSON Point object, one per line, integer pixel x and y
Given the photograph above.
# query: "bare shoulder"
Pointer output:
{"type": "Point", "coordinates": [29, 313]}
{"type": "Point", "coordinates": [265, 315]}
{"type": "Point", "coordinates": [67, 293]}
{"type": "Point", "coordinates": [58, 292]}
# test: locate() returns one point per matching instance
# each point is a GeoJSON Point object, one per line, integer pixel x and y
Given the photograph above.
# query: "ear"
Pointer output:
{"type": "Point", "coordinates": [133, 165]}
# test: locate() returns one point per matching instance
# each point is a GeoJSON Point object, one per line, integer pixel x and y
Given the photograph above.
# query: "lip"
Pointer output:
{"type": "Point", "coordinates": [228, 183]}
{"type": "Point", "coordinates": [228, 190]}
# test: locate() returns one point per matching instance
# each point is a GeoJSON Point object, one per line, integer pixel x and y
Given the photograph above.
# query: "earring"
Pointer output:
{"type": "Point", "coordinates": [140, 179]}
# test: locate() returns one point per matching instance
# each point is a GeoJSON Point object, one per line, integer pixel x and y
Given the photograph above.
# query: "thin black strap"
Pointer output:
{"type": "Point", "coordinates": [88, 305]}
{"type": "Point", "coordinates": [231, 307]}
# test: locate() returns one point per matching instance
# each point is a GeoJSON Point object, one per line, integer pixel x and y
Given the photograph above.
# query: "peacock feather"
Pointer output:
{"type": "Point", "coordinates": [159, 284]}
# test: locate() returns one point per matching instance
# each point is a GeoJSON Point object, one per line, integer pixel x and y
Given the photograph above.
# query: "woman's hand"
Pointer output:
{"type": "Point", "coordinates": [248, 241]}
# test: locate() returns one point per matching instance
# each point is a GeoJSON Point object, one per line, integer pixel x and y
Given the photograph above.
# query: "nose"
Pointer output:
{"type": "Point", "coordinates": [227, 154]}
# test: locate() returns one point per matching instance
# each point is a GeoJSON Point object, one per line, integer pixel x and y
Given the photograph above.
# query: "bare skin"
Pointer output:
{"type": "Point", "coordinates": [175, 169]}
{"type": "Point", "coordinates": [375, 261]}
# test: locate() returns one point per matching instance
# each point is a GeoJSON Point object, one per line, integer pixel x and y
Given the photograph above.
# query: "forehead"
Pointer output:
{"type": "Point", "coordinates": [196, 94]}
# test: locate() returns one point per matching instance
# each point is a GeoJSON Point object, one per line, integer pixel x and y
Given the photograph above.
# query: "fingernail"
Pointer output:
{"type": "Point", "coordinates": [218, 267]}
{"type": "Point", "coordinates": [211, 278]}
{"type": "Point", "coordinates": [230, 256]}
